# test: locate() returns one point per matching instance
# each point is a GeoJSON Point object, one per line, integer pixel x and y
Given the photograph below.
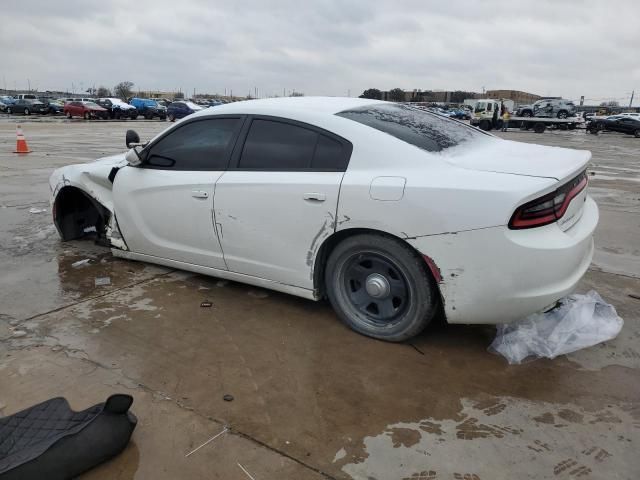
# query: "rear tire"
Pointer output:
{"type": "Point", "coordinates": [563, 114]}
{"type": "Point", "coordinates": [27, 111]}
{"type": "Point", "coordinates": [380, 287]}
{"type": "Point", "coordinates": [485, 125]}
{"type": "Point", "coordinates": [172, 117]}
{"type": "Point", "coordinates": [9, 110]}
{"type": "Point", "coordinates": [87, 115]}
{"type": "Point", "coordinates": [637, 133]}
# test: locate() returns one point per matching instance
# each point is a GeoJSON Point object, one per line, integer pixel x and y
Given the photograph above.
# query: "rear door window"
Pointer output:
{"type": "Point", "coordinates": [200, 145]}
{"type": "Point", "coordinates": [282, 146]}
{"type": "Point", "coordinates": [423, 129]}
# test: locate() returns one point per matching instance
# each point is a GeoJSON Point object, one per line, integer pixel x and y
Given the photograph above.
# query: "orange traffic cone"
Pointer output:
{"type": "Point", "coordinates": [21, 142]}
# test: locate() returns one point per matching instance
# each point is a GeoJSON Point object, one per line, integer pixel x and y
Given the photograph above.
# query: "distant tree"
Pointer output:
{"type": "Point", "coordinates": [123, 90]}
{"type": "Point", "coordinates": [613, 103]}
{"type": "Point", "coordinates": [296, 94]}
{"type": "Point", "coordinates": [372, 93]}
{"type": "Point", "coordinates": [396, 95]}
{"type": "Point", "coordinates": [103, 91]}
{"type": "Point", "coordinates": [179, 96]}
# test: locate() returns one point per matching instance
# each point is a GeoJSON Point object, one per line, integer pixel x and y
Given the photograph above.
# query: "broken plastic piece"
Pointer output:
{"type": "Point", "coordinates": [580, 321]}
{"type": "Point", "coordinates": [37, 210]}
{"type": "Point", "coordinates": [100, 281]}
{"type": "Point", "coordinates": [206, 305]}
{"type": "Point", "coordinates": [81, 263]}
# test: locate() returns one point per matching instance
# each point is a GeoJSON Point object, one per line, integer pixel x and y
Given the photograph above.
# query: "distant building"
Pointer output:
{"type": "Point", "coordinates": [434, 96]}
{"type": "Point", "coordinates": [158, 94]}
{"type": "Point", "coordinates": [519, 98]}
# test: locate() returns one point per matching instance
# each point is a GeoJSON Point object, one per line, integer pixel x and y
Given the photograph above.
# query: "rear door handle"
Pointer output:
{"type": "Point", "coordinates": [315, 197]}
{"type": "Point", "coordinates": [199, 194]}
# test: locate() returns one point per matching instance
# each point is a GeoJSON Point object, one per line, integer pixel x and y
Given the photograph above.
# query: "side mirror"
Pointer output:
{"type": "Point", "coordinates": [133, 157]}
{"type": "Point", "coordinates": [132, 137]}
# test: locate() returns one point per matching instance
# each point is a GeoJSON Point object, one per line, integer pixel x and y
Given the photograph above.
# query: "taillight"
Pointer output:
{"type": "Point", "coordinates": [548, 208]}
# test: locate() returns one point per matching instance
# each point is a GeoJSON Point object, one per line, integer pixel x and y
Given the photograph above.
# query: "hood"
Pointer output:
{"type": "Point", "coordinates": [493, 154]}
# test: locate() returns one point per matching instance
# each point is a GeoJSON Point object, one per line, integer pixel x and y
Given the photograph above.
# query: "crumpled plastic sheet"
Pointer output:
{"type": "Point", "coordinates": [579, 321]}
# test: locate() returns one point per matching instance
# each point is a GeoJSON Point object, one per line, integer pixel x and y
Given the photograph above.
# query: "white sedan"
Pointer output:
{"type": "Point", "coordinates": [391, 212]}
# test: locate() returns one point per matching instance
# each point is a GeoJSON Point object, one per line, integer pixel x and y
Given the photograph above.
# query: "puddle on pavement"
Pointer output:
{"type": "Point", "coordinates": [540, 440]}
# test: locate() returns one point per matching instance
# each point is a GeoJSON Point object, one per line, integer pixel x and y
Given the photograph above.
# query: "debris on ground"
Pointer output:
{"type": "Point", "coordinates": [227, 397]}
{"type": "Point", "coordinates": [579, 321]}
{"type": "Point", "coordinates": [206, 305]}
{"type": "Point", "coordinates": [224, 430]}
{"type": "Point", "coordinates": [245, 471]}
{"type": "Point", "coordinates": [37, 210]}
{"type": "Point", "coordinates": [81, 263]}
{"type": "Point", "coordinates": [101, 281]}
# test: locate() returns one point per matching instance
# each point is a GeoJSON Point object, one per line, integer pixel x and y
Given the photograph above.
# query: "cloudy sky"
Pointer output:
{"type": "Point", "coordinates": [326, 47]}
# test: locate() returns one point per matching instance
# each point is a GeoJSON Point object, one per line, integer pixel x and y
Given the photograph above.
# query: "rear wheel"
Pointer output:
{"type": "Point", "coordinates": [9, 110]}
{"type": "Point", "coordinates": [539, 127]}
{"type": "Point", "coordinates": [27, 111]}
{"type": "Point", "coordinates": [637, 133]}
{"type": "Point", "coordinates": [171, 117]}
{"type": "Point", "coordinates": [526, 113]}
{"type": "Point", "coordinates": [68, 114]}
{"type": "Point", "coordinates": [485, 125]}
{"type": "Point", "coordinates": [380, 287]}
{"type": "Point", "coordinates": [87, 115]}
{"type": "Point", "coordinates": [563, 114]}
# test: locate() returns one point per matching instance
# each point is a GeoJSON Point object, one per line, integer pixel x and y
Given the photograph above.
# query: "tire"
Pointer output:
{"type": "Point", "coordinates": [563, 126]}
{"type": "Point", "coordinates": [571, 126]}
{"type": "Point", "coordinates": [563, 114]}
{"type": "Point", "coordinates": [87, 115]}
{"type": "Point", "coordinates": [637, 133]}
{"type": "Point", "coordinates": [68, 115]}
{"type": "Point", "coordinates": [485, 125]}
{"type": "Point", "coordinates": [27, 111]}
{"type": "Point", "coordinates": [9, 110]}
{"type": "Point", "coordinates": [527, 113]}
{"type": "Point", "coordinates": [171, 117]}
{"type": "Point", "coordinates": [382, 263]}
{"type": "Point", "coordinates": [539, 127]}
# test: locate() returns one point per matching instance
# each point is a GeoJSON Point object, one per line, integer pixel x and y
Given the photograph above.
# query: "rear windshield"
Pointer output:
{"type": "Point", "coordinates": [423, 129]}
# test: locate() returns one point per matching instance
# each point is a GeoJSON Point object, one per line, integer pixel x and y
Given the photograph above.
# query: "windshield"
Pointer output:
{"type": "Point", "coordinates": [425, 130]}
{"type": "Point", "coordinates": [91, 104]}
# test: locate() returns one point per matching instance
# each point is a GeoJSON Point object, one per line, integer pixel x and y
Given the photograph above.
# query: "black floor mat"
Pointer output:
{"type": "Point", "coordinates": [51, 441]}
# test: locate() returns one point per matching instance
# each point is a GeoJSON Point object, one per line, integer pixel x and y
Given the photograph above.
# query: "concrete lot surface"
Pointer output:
{"type": "Point", "coordinates": [312, 399]}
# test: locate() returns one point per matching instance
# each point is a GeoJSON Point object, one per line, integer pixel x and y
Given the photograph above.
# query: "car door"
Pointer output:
{"type": "Point", "coordinates": [164, 207]}
{"type": "Point", "coordinates": [278, 200]}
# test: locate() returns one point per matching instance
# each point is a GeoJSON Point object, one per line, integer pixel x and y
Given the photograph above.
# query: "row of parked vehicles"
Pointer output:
{"type": "Point", "coordinates": [98, 108]}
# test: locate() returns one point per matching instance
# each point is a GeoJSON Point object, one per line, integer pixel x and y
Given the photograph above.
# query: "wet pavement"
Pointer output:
{"type": "Point", "coordinates": [312, 399]}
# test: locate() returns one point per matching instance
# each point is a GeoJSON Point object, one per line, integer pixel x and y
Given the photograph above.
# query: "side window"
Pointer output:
{"type": "Point", "coordinates": [330, 155]}
{"type": "Point", "coordinates": [489, 106]}
{"type": "Point", "coordinates": [200, 145]}
{"type": "Point", "coordinates": [274, 145]}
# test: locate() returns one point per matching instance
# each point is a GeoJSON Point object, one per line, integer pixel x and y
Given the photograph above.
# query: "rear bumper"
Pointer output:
{"type": "Point", "coordinates": [497, 275]}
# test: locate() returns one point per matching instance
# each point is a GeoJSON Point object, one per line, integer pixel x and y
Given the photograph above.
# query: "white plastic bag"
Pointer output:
{"type": "Point", "coordinates": [579, 321]}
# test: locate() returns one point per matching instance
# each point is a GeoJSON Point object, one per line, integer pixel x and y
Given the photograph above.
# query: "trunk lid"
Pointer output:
{"type": "Point", "coordinates": [517, 158]}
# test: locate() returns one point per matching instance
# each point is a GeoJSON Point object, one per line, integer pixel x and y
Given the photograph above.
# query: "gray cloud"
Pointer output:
{"type": "Point", "coordinates": [329, 47]}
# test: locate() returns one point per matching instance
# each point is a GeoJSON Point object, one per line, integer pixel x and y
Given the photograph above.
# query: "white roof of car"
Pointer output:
{"type": "Point", "coordinates": [276, 106]}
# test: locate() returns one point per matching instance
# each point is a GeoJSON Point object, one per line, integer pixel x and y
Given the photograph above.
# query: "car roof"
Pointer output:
{"type": "Point", "coordinates": [290, 106]}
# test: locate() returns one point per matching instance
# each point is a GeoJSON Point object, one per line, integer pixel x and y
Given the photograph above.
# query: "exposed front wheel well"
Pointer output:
{"type": "Point", "coordinates": [77, 215]}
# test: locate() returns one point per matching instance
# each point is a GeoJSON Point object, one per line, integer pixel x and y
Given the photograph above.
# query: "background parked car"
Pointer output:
{"type": "Point", "coordinates": [117, 108]}
{"type": "Point", "coordinates": [53, 106]}
{"type": "Point", "coordinates": [86, 110]}
{"type": "Point", "coordinates": [616, 123]}
{"type": "Point", "coordinates": [27, 107]}
{"type": "Point", "coordinates": [149, 108]}
{"type": "Point", "coordinates": [6, 100]}
{"type": "Point", "coordinates": [554, 107]}
{"type": "Point", "coordinates": [26, 96]}
{"type": "Point", "coordinates": [181, 109]}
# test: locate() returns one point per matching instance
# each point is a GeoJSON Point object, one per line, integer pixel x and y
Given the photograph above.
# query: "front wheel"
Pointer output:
{"type": "Point", "coordinates": [87, 115]}
{"type": "Point", "coordinates": [171, 117]}
{"type": "Point", "coordinates": [637, 133]}
{"type": "Point", "coordinates": [27, 111]}
{"type": "Point", "coordinates": [562, 114]}
{"type": "Point", "coordinates": [380, 287]}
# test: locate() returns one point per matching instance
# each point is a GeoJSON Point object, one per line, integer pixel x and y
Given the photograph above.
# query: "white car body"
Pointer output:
{"type": "Point", "coordinates": [268, 228]}
{"type": "Point", "coordinates": [119, 103]}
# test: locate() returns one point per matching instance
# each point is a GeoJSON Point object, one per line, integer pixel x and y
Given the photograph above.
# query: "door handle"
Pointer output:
{"type": "Point", "coordinates": [315, 197]}
{"type": "Point", "coordinates": [199, 194]}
